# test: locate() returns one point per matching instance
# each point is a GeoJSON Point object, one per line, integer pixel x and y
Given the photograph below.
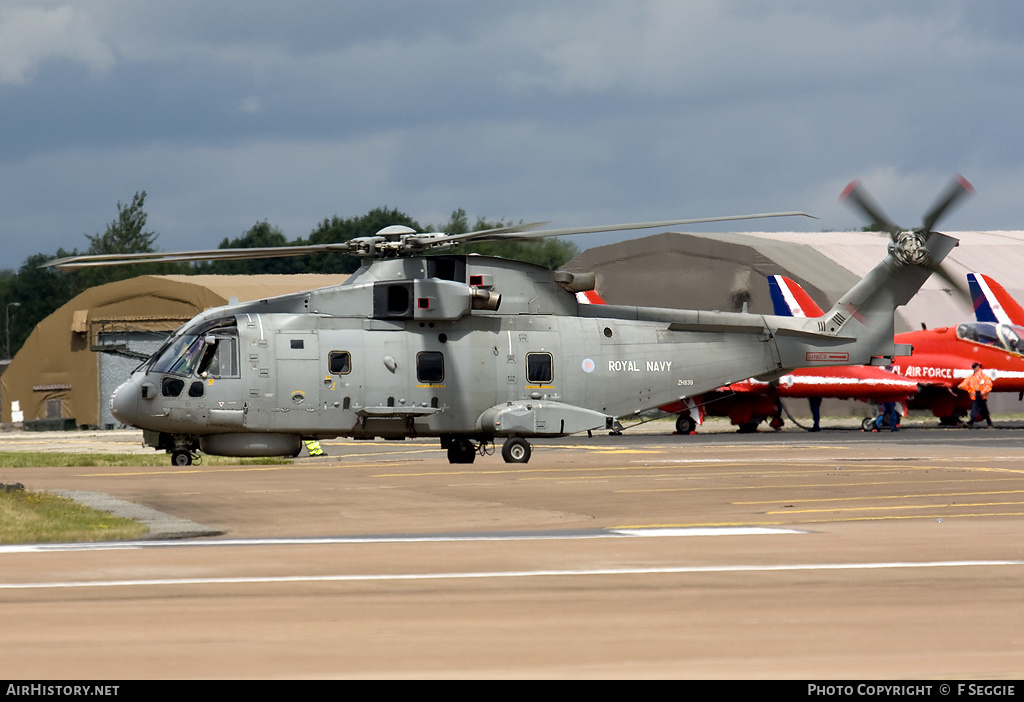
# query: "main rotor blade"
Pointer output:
{"type": "Point", "coordinates": [438, 238]}
{"type": "Point", "coordinates": [202, 255]}
{"type": "Point", "coordinates": [412, 243]}
{"type": "Point", "coordinates": [954, 192]}
{"type": "Point", "coordinates": [855, 194]}
{"type": "Point", "coordinates": [536, 234]}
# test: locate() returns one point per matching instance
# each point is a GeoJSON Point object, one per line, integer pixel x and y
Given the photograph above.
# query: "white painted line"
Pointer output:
{"type": "Point", "coordinates": [387, 539]}
{"type": "Point", "coordinates": [504, 574]}
{"type": "Point", "coordinates": [708, 531]}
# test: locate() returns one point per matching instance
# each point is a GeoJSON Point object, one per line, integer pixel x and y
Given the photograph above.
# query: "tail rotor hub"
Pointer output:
{"type": "Point", "coordinates": [909, 249]}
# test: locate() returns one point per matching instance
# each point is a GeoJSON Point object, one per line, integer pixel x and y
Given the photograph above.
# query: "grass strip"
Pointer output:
{"type": "Point", "coordinates": [40, 517]}
{"type": "Point", "coordinates": [47, 459]}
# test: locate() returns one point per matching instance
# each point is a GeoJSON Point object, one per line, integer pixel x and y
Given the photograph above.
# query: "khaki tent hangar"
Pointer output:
{"type": "Point", "coordinates": [77, 356]}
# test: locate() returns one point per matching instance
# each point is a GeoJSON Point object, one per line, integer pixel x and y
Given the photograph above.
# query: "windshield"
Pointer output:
{"type": "Point", "coordinates": [181, 357]}
{"type": "Point", "coordinates": [184, 354]}
{"type": "Point", "coordinates": [1000, 336]}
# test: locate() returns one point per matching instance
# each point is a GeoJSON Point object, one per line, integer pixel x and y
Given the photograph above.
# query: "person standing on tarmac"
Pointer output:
{"type": "Point", "coordinates": [977, 386]}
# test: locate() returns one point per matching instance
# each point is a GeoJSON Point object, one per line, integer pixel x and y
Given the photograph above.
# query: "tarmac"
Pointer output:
{"type": "Point", "coordinates": [834, 555]}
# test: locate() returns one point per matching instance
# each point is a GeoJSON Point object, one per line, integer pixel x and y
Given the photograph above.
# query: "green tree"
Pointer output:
{"type": "Point", "coordinates": [260, 235]}
{"type": "Point", "coordinates": [336, 230]}
{"type": "Point", "coordinates": [550, 253]}
{"type": "Point", "coordinates": [127, 233]}
{"type": "Point", "coordinates": [40, 291]}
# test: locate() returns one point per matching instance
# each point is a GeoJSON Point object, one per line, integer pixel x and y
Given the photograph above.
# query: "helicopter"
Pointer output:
{"type": "Point", "coordinates": [470, 349]}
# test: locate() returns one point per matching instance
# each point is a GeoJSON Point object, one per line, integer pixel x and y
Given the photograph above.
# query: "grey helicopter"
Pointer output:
{"type": "Point", "coordinates": [470, 349]}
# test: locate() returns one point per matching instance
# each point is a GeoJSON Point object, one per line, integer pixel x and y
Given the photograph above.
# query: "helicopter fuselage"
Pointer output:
{"type": "Point", "coordinates": [466, 348]}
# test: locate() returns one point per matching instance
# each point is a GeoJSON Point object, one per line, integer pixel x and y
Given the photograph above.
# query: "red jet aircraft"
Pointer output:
{"type": "Point", "coordinates": [943, 356]}
{"type": "Point", "coordinates": [927, 379]}
{"type": "Point", "coordinates": [752, 401]}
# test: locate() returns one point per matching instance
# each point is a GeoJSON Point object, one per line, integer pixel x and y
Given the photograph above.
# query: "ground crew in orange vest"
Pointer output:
{"type": "Point", "coordinates": [978, 385]}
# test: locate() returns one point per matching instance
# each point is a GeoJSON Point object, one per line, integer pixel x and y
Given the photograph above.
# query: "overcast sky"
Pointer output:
{"type": "Point", "coordinates": [577, 113]}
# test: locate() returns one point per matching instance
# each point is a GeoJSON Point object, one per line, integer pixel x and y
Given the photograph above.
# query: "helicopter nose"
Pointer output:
{"type": "Point", "coordinates": [124, 403]}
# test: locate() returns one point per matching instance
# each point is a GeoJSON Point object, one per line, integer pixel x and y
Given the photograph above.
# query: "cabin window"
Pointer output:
{"type": "Point", "coordinates": [430, 366]}
{"type": "Point", "coordinates": [221, 358]}
{"type": "Point", "coordinates": [339, 362]}
{"type": "Point", "coordinates": [539, 368]}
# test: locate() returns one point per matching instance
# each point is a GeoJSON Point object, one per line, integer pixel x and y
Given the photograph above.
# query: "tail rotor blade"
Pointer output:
{"type": "Point", "coordinates": [858, 197]}
{"type": "Point", "coordinates": [954, 193]}
{"type": "Point", "coordinates": [954, 282]}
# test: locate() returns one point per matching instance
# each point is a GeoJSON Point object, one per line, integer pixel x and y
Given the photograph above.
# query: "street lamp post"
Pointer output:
{"type": "Point", "coordinates": [7, 326]}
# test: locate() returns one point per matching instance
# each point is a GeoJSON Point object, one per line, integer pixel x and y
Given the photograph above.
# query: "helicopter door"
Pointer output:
{"type": "Point", "coordinates": [529, 366]}
{"type": "Point", "coordinates": [299, 377]}
{"type": "Point", "coordinates": [341, 392]}
{"type": "Point", "coordinates": [509, 378]}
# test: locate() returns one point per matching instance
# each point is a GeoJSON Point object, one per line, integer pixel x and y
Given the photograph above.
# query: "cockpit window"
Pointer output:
{"type": "Point", "coordinates": [210, 348]}
{"type": "Point", "coordinates": [220, 359]}
{"type": "Point", "coordinates": [1000, 336]}
{"type": "Point", "coordinates": [181, 357]}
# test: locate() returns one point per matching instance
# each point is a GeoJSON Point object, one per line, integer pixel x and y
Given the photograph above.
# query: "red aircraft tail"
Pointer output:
{"type": "Point", "coordinates": [992, 303]}
{"type": "Point", "coordinates": [791, 300]}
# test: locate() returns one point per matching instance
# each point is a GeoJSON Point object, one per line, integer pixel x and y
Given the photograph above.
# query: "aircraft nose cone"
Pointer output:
{"type": "Point", "coordinates": [124, 403]}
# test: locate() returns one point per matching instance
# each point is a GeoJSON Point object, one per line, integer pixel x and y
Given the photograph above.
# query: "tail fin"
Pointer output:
{"type": "Point", "coordinates": [992, 303]}
{"type": "Point", "coordinates": [861, 323]}
{"type": "Point", "coordinates": [791, 300]}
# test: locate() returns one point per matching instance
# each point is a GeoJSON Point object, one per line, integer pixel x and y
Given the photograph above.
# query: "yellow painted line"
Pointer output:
{"type": "Point", "coordinates": [844, 486]}
{"type": "Point", "coordinates": [240, 469]}
{"type": "Point", "coordinates": [890, 507]}
{"type": "Point", "coordinates": [601, 449]}
{"type": "Point", "coordinates": [750, 522]}
{"type": "Point", "coordinates": [886, 497]}
{"type": "Point", "coordinates": [698, 476]}
{"type": "Point", "coordinates": [561, 471]}
{"type": "Point", "coordinates": [520, 470]}
{"type": "Point", "coordinates": [997, 470]}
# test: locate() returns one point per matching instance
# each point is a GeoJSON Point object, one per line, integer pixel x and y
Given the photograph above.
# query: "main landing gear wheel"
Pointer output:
{"type": "Point", "coordinates": [685, 424]}
{"type": "Point", "coordinates": [516, 450]}
{"type": "Point", "coordinates": [461, 451]}
{"type": "Point", "coordinates": [181, 458]}
{"type": "Point", "coordinates": [950, 421]}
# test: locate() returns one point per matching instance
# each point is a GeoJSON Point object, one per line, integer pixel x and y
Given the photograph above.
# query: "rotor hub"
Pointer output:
{"type": "Point", "coordinates": [909, 249]}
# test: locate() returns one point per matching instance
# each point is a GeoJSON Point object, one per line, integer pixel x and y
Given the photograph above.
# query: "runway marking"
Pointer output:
{"type": "Point", "coordinates": [792, 523]}
{"type": "Point", "coordinates": [845, 486]}
{"type": "Point", "coordinates": [836, 510]}
{"type": "Point", "coordinates": [247, 469]}
{"type": "Point", "coordinates": [884, 497]}
{"type": "Point", "coordinates": [613, 532]}
{"type": "Point", "coordinates": [564, 472]}
{"type": "Point", "coordinates": [396, 577]}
